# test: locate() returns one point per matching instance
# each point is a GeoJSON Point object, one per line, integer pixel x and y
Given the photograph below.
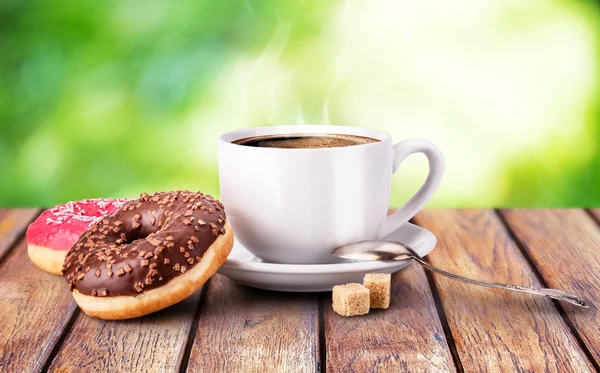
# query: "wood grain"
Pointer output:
{"type": "Point", "coordinates": [407, 337]}
{"type": "Point", "coordinates": [242, 329]}
{"type": "Point", "coordinates": [565, 247]}
{"type": "Point", "coordinates": [13, 223]}
{"type": "Point", "coordinates": [35, 307]}
{"type": "Point", "coordinates": [154, 343]}
{"type": "Point", "coordinates": [496, 330]}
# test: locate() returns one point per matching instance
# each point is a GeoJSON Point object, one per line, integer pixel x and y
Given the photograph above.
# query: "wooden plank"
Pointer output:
{"type": "Point", "coordinates": [13, 223]}
{"type": "Point", "coordinates": [408, 336]}
{"type": "Point", "coordinates": [242, 329]}
{"type": "Point", "coordinates": [35, 308]}
{"type": "Point", "coordinates": [154, 343]}
{"type": "Point", "coordinates": [565, 247]}
{"type": "Point", "coordinates": [496, 330]}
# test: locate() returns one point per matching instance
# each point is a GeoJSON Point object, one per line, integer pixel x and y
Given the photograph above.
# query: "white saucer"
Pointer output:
{"type": "Point", "coordinates": [245, 268]}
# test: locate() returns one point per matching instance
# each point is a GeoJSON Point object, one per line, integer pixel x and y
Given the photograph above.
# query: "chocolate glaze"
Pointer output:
{"type": "Point", "coordinates": [144, 244]}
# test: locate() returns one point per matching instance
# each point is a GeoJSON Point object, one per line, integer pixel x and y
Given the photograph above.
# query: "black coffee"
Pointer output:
{"type": "Point", "coordinates": [304, 141]}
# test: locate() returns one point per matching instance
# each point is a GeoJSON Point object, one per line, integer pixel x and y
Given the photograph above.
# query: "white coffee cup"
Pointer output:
{"type": "Point", "coordinates": [297, 205]}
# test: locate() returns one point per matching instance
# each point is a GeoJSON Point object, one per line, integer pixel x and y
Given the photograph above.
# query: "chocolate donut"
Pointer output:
{"type": "Point", "coordinates": [153, 252]}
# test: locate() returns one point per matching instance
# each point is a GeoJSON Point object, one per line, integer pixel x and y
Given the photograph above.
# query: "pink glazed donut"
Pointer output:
{"type": "Point", "coordinates": [55, 231]}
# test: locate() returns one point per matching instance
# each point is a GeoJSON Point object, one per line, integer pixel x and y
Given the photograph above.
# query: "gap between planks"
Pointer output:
{"type": "Point", "coordinates": [321, 340]}
{"type": "Point", "coordinates": [444, 321]}
{"type": "Point", "coordinates": [442, 314]}
{"type": "Point", "coordinates": [63, 335]}
{"type": "Point", "coordinates": [185, 359]}
{"type": "Point", "coordinates": [595, 217]}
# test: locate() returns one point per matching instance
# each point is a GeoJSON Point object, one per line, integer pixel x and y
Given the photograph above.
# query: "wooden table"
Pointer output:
{"type": "Point", "coordinates": [433, 324]}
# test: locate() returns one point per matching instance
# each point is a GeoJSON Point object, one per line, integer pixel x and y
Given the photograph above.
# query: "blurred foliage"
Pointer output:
{"type": "Point", "coordinates": [114, 98]}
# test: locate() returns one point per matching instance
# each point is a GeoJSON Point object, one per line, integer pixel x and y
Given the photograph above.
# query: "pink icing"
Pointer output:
{"type": "Point", "coordinates": [59, 228]}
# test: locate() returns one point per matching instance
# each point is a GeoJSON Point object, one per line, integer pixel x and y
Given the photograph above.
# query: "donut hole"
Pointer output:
{"type": "Point", "coordinates": [138, 234]}
{"type": "Point", "coordinates": [141, 233]}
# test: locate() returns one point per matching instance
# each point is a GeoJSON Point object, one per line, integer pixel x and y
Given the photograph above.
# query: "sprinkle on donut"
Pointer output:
{"type": "Point", "coordinates": [144, 244]}
{"type": "Point", "coordinates": [59, 227]}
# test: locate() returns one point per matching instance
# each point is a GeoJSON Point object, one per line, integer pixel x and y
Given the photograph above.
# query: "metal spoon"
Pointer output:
{"type": "Point", "coordinates": [388, 250]}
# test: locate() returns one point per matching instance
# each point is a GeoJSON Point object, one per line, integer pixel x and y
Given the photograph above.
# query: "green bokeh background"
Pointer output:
{"type": "Point", "coordinates": [113, 98]}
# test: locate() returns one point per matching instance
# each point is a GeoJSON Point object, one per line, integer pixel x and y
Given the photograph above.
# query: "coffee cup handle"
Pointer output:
{"type": "Point", "coordinates": [436, 170]}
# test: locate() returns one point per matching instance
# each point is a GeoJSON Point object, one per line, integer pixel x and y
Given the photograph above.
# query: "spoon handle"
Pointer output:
{"type": "Point", "coordinates": [550, 293]}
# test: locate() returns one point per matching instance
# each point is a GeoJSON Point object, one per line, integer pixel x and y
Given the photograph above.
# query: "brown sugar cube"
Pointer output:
{"type": "Point", "coordinates": [351, 299]}
{"type": "Point", "coordinates": [379, 286]}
